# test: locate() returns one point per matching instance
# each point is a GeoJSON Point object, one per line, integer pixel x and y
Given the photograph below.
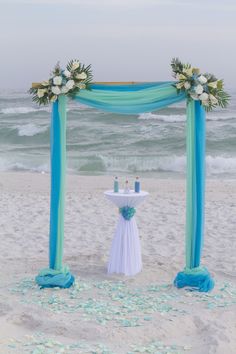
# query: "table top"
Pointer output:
{"type": "Point", "coordinates": [130, 199]}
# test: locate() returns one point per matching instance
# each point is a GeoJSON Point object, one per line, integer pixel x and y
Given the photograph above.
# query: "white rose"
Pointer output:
{"type": "Point", "coordinates": [75, 65]}
{"type": "Point", "coordinates": [67, 73]}
{"type": "Point", "coordinates": [70, 84]}
{"type": "Point", "coordinates": [202, 79]}
{"type": "Point", "coordinates": [41, 92]}
{"type": "Point", "coordinates": [204, 96]}
{"type": "Point", "coordinates": [57, 80]}
{"type": "Point", "coordinates": [64, 89]}
{"type": "Point", "coordinates": [56, 90]}
{"type": "Point", "coordinates": [213, 99]}
{"type": "Point", "coordinates": [187, 85]}
{"type": "Point", "coordinates": [198, 89]}
{"type": "Point", "coordinates": [81, 76]}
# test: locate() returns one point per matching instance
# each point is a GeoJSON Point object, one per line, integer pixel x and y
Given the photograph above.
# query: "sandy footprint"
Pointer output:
{"type": "Point", "coordinates": [25, 320]}
{"type": "Point", "coordinates": [4, 309]}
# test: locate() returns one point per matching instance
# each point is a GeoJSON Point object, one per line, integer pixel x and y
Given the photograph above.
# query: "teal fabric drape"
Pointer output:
{"type": "Point", "coordinates": [57, 275]}
{"type": "Point", "coordinates": [195, 183]}
{"type": "Point", "coordinates": [132, 99]}
{"type": "Point", "coordinates": [194, 275]}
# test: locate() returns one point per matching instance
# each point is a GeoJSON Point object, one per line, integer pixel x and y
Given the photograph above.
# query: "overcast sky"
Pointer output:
{"type": "Point", "coordinates": [124, 40]}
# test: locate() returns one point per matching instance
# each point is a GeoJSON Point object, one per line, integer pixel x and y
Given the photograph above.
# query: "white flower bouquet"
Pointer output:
{"type": "Point", "coordinates": [205, 88]}
{"type": "Point", "coordinates": [63, 82]}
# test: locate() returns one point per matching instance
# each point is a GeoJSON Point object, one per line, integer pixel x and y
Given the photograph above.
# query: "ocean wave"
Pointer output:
{"type": "Point", "coordinates": [175, 118]}
{"type": "Point", "coordinates": [79, 107]}
{"type": "Point", "coordinates": [28, 109]}
{"type": "Point", "coordinates": [8, 165]}
{"type": "Point", "coordinates": [13, 95]}
{"type": "Point", "coordinates": [215, 165]}
{"type": "Point", "coordinates": [176, 164]}
{"type": "Point", "coordinates": [144, 163]}
{"type": "Point", "coordinates": [178, 118]}
{"type": "Point", "coordinates": [30, 129]}
{"type": "Point", "coordinates": [220, 164]}
{"type": "Point", "coordinates": [23, 110]}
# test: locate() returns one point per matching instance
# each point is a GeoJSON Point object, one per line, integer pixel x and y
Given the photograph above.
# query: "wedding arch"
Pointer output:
{"type": "Point", "coordinates": [202, 92]}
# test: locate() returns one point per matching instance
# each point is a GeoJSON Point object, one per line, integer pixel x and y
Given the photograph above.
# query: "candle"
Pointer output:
{"type": "Point", "coordinates": [116, 185]}
{"type": "Point", "coordinates": [126, 190]}
{"type": "Point", "coordinates": [137, 185]}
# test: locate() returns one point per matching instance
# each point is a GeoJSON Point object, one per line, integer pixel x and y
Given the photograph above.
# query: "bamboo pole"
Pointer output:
{"type": "Point", "coordinates": [38, 84]}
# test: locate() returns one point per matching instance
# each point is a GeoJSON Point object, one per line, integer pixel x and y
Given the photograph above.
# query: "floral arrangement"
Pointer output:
{"type": "Point", "coordinates": [203, 87]}
{"type": "Point", "coordinates": [67, 82]}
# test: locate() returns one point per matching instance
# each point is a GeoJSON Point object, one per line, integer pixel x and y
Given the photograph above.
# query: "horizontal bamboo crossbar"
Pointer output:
{"type": "Point", "coordinates": [38, 84]}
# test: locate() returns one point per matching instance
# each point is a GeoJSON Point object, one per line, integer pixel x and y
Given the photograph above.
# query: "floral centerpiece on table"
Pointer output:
{"type": "Point", "coordinates": [203, 87]}
{"type": "Point", "coordinates": [63, 82]}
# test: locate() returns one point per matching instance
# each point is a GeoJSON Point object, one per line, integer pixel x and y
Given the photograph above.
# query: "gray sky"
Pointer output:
{"type": "Point", "coordinates": [124, 40]}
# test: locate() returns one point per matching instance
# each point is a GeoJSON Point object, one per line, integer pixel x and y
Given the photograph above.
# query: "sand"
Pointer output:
{"type": "Point", "coordinates": [114, 314]}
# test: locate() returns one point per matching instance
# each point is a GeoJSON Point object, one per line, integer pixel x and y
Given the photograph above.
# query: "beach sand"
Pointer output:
{"type": "Point", "coordinates": [114, 314]}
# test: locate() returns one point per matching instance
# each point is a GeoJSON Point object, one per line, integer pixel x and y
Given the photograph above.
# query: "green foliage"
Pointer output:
{"type": "Point", "coordinates": [177, 66]}
{"type": "Point", "coordinates": [222, 98]}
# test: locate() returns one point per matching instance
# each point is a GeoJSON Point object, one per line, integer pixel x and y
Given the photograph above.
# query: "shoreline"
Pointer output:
{"type": "Point", "coordinates": [8, 178]}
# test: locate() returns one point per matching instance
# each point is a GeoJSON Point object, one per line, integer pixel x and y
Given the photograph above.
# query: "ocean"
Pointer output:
{"type": "Point", "coordinates": [98, 143]}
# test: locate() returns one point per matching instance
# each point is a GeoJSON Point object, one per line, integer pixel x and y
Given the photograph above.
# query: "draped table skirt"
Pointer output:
{"type": "Point", "coordinates": [125, 255]}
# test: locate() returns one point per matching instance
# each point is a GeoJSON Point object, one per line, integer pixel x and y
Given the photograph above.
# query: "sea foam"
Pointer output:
{"type": "Point", "coordinates": [30, 129]}
{"type": "Point", "coordinates": [22, 110]}
{"type": "Point", "coordinates": [178, 118]}
{"type": "Point", "coordinates": [10, 165]}
{"type": "Point", "coordinates": [214, 164]}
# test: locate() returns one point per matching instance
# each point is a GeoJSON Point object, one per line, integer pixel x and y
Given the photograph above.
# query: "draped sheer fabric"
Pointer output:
{"type": "Point", "coordinates": [131, 99]}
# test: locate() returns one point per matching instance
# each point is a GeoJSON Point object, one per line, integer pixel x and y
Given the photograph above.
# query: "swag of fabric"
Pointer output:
{"type": "Point", "coordinates": [132, 99]}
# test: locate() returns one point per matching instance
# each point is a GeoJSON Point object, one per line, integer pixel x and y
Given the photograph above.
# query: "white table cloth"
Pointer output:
{"type": "Point", "coordinates": [125, 254]}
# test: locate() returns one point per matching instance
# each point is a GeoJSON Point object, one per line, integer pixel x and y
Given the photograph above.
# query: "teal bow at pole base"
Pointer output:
{"type": "Point", "coordinates": [127, 212]}
{"type": "Point", "coordinates": [196, 279]}
{"type": "Point", "coordinates": [51, 278]}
